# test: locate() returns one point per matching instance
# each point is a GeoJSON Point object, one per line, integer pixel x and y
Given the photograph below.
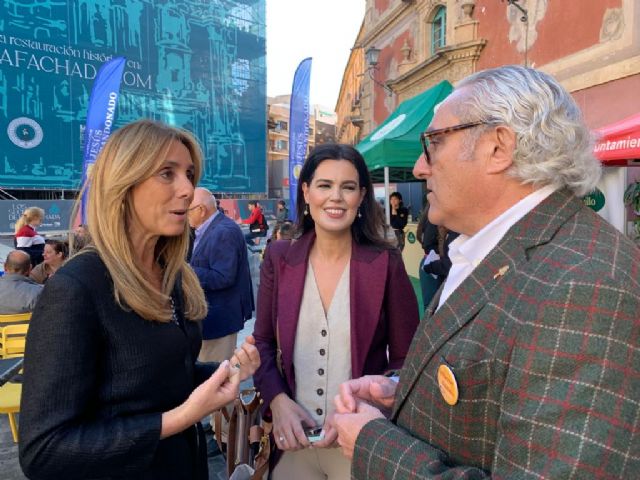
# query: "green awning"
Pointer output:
{"type": "Point", "coordinates": [396, 142]}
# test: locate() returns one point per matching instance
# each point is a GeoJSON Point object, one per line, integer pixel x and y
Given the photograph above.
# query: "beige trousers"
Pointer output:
{"type": "Point", "coordinates": [218, 349]}
{"type": "Point", "coordinates": [313, 464]}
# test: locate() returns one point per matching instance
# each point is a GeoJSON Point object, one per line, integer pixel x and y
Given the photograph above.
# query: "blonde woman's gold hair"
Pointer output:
{"type": "Point", "coordinates": [28, 216]}
{"type": "Point", "coordinates": [133, 154]}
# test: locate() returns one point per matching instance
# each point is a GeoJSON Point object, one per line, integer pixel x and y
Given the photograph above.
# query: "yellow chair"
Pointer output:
{"type": "Point", "coordinates": [15, 318]}
{"type": "Point", "coordinates": [12, 340]}
{"type": "Point", "coordinates": [10, 394]}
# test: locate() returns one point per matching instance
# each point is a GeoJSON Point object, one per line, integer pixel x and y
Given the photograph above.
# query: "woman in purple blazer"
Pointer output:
{"type": "Point", "coordinates": [334, 304]}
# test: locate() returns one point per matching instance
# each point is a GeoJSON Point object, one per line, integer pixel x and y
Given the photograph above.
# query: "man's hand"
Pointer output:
{"type": "Point", "coordinates": [349, 425]}
{"type": "Point", "coordinates": [375, 389]}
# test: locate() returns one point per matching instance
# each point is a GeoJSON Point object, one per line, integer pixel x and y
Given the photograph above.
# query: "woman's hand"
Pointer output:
{"type": "Point", "coordinates": [288, 418]}
{"type": "Point", "coordinates": [246, 358]}
{"type": "Point", "coordinates": [218, 390]}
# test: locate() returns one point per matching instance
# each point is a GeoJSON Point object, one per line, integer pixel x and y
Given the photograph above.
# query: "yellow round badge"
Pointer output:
{"type": "Point", "coordinates": [448, 385]}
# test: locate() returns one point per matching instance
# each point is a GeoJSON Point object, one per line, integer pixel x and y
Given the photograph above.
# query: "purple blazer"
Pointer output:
{"type": "Point", "coordinates": [384, 311]}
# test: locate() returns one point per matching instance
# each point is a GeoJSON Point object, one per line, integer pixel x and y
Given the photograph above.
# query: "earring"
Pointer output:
{"type": "Point", "coordinates": [359, 213]}
{"type": "Point", "coordinates": [306, 209]}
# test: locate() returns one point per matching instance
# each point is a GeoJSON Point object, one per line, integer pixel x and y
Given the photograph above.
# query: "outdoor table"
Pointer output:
{"type": "Point", "coordinates": [9, 367]}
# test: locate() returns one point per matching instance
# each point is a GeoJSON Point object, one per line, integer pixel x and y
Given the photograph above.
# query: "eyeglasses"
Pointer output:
{"type": "Point", "coordinates": [194, 207]}
{"type": "Point", "coordinates": [425, 136]}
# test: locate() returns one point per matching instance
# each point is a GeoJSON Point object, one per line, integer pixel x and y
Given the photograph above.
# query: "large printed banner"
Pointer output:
{"type": "Point", "coordinates": [198, 65]}
{"type": "Point", "coordinates": [57, 214]}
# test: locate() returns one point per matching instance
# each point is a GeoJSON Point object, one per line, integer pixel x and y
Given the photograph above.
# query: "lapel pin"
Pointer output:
{"type": "Point", "coordinates": [501, 271]}
{"type": "Point", "coordinates": [447, 384]}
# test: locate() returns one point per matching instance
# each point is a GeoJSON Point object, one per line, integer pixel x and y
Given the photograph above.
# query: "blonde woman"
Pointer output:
{"type": "Point", "coordinates": [111, 386]}
{"type": "Point", "coordinates": [26, 237]}
{"type": "Point", "coordinates": [55, 254]}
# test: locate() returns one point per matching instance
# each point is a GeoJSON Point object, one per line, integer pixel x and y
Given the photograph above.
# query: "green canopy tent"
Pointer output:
{"type": "Point", "coordinates": [391, 150]}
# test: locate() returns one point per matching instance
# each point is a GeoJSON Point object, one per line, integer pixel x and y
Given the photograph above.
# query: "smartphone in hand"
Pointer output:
{"type": "Point", "coordinates": [314, 434]}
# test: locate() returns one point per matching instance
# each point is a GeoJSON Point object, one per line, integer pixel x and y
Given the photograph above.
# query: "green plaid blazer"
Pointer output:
{"type": "Point", "coordinates": [546, 356]}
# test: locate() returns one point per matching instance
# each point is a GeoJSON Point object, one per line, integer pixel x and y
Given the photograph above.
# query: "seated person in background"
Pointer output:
{"type": "Point", "coordinates": [283, 231]}
{"type": "Point", "coordinates": [18, 293]}
{"type": "Point", "coordinates": [55, 254]}
{"type": "Point", "coordinates": [286, 230]}
{"type": "Point", "coordinates": [282, 212]}
{"type": "Point", "coordinates": [256, 221]}
{"type": "Point", "coordinates": [26, 237]}
{"type": "Point", "coordinates": [78, 239]}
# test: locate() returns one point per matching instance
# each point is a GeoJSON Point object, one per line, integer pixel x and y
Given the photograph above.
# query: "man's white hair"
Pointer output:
{"type": "Point", "coordinates": [553, 144]}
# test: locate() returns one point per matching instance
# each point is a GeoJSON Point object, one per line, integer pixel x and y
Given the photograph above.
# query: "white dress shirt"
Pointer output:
{"type": "Point", "coordinates": [466, 252]}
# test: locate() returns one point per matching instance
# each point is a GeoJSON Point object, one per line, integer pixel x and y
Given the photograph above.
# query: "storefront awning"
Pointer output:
{"type": "Point", "coordinates": [619, 143]}
{"type": "Point", "coordinates": [396, 142]}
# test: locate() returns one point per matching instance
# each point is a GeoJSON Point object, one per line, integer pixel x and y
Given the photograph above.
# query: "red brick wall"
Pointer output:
{"type": "Point", "coordinates": [567, 27]}
{"type": "Point", "coordinates": [389, 55]}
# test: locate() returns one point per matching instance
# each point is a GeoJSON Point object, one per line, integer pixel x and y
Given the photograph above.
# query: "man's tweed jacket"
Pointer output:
{"type": "Point", "coordinates": [546, 356]}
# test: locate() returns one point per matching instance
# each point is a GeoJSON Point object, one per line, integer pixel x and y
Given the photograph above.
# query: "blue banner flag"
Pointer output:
{"type": "Point", "coordinates": [298, 129]}
{"type": "Point", "coordinates": [100, 117]}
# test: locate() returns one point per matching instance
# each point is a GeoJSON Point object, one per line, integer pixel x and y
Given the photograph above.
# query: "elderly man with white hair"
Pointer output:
{"type": "Point", "coordinates": [527, 363]}
{"type": "Point", "coordinates": [220, 260]}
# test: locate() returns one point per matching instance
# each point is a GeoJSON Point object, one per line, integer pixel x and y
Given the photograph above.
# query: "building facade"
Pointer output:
{"type": "Point", "coordinates": [591, 47]}
{"type": "Point", "coordinates": [321, 130]}
{"type": "Point", "coordinates": [348, 107]}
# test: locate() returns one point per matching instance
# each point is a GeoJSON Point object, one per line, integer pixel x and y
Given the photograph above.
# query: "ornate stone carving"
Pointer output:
{"type": "Point", "coordinates": [467, 7]}
{"type": "Point", "coordinates": [450, 64]}
{"type": "Point", "coordinates": [612, 25]}
{"type": "Point", "coordinates": [406, 51]}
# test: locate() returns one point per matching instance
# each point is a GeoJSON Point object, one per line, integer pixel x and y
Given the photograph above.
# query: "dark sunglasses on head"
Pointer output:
{"type": "Point", "coordinates": [425, 136]}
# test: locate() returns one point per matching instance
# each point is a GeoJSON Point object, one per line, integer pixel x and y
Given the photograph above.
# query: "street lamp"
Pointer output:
{"type": "Point", "coordinates": [372, 55]}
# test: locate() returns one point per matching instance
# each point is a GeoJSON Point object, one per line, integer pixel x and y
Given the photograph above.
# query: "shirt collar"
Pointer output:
{"type": "Point", "coordinates": [474, 249]}
{"type": "Point", "coordinates": [200, 230]}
